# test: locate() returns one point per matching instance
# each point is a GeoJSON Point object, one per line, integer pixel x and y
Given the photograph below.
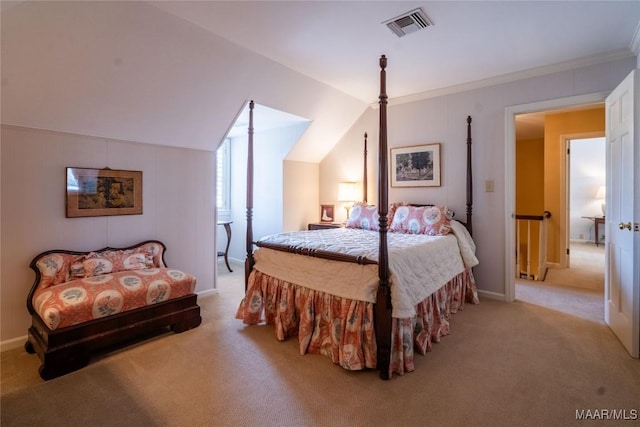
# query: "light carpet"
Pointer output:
{"type": "Point", "coordinates": [504, 364]}
{"type": "Point", "coordinates": [578, 290]}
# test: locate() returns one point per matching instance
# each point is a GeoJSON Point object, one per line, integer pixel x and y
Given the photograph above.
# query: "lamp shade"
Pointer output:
{"type": "Point", "coordinates": [347, 192]}
{"type": "Point", "coordinates": [602, 192]}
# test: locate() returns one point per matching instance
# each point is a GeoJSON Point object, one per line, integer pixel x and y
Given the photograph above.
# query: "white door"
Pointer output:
{"type": "Point", "coordinates": [622, 276]}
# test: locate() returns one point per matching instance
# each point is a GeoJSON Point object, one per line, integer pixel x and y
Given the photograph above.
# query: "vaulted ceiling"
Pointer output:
{"type": "Point", "coordinates": [179, 72]}
{"type": "Point", "coordinates": [338, 42]}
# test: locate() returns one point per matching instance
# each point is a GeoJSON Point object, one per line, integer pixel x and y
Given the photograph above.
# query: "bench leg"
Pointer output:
{"type": "Point", "coordinates": [188, 322]}
{"type": "Point", "coordinates": [63, 362]}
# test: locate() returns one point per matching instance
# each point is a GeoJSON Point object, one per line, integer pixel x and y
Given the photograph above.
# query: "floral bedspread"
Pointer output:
{"type": "Point", "coordinates": [80, 300]}
{"type": "Point", "coordinates": [419, 264]}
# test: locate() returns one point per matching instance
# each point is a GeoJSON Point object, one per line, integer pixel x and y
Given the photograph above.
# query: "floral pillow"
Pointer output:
{"type": "Point", "coordinates": [54, 269]}
{"type": "Point", "coordinates": [114, 261]}
{"type": "Point", "coordinates": [392, 211]}
{"type": "Point", "coordinates": [96, 266]}
{"type": "Point", "coordinates": [77, 269]}
{"type": "Point", "coordinates": [437, 220]}
{"type": "Point", "coordinates": [364, 216]}
{"type": "Point", "coordinates": [429, 220]}
{"type": "Point", "coordinates": [153, 250]}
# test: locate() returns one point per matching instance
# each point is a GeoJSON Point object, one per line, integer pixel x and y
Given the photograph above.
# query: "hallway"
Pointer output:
{"type": "Point", "coordinates": [578, 290]}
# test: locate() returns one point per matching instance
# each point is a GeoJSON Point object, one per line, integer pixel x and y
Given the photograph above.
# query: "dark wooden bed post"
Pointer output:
{"type": "Point", "coordinates": [249, 262]}
{"type": "Point", "coordinates": [364, 178]}
{"type": "Point", "coordinates": [469, 178]}
{"type": "Point", "coordinates": [383, 297]}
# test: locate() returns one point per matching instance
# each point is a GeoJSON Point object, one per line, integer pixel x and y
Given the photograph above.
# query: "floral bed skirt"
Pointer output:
{"type": "Point", "coordinates": [342, 329]}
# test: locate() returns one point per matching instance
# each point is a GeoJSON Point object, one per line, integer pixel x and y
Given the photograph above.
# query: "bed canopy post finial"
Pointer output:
{"type": "Point", "coordinates": [249, 262]}
{"type": "Point", "coordinates": [364, 177]}
{"type": "Point", "coordinates": [383, 320]}
{"type": "Point", "coordinates": [469, 178]}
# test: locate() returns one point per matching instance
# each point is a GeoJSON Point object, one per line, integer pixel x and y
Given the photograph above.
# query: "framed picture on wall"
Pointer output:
{"type": "Point", "coordinates": [415, 166]}
{"type": "Point", "coordinates": [326, 213]}
{"type": "Point", "coordinates": [103, 192]}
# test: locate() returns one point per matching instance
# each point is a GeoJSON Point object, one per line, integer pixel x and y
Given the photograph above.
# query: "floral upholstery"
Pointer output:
{"type": "Point", "coordinates": [58, 267]}
{"type": "Point", "coordinates": [342, 329]}
{"type": "Point", "coordinates": [366, 216]}
{"type": "Point", "coordinates": [429, 220]}
{"type": "Point", "coordinates": [76, 288]}
{"type": "Point", "coordinates": [392, 211]}
{"type": "Point", "coordinates": [113, 261]}
{"type": "Point", "coordinates": [89, 298]}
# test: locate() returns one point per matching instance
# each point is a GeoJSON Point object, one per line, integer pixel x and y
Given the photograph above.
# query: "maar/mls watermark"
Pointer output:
{"type": "Point", "coordinates": [607, 414]}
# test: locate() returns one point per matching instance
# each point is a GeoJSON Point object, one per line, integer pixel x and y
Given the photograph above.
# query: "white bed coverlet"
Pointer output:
{"type": "Point", "coordinates": [419, 264]}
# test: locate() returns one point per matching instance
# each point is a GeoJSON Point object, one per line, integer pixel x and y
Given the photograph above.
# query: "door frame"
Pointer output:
{"type": "Point", "coordinates": [510, 172]}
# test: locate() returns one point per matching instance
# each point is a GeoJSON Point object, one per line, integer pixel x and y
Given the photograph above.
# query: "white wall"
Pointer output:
{"type": "Point", "coordinates": [587, 173]}
{"type": "Point", "coordinates": [346, 163]}
{"type": "Point", "coordinates": [443, 119]}
{"type": "Point", "coordinates": [178, 209]}
{"type": "Point", "coordinates": [301, 195]}
{"type": "Point", "coordinates": [107, 72]}
{"type": "Point", "coordinates": [130, 71]}
{"type": "Point", "coordinates": [270, 149]}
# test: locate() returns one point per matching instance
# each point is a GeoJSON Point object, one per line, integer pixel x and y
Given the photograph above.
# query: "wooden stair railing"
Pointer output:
{"type": "Point", "coordinates": [524, 270]}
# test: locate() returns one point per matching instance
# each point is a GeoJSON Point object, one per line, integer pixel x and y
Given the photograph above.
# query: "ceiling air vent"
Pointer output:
{"type": "Point", "coordinates": [408, 23]}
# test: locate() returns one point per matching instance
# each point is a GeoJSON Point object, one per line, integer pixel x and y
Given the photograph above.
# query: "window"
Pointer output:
{"type": "Point", "coordinates": [223, 180]}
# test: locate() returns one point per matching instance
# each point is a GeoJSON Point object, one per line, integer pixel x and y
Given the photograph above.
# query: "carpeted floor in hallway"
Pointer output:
{"type": "Point", "coordinates": [578, 290]}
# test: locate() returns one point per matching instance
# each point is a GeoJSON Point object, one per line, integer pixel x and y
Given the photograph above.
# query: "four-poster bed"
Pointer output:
{"type": "Point", "coordinates": [333, 288]}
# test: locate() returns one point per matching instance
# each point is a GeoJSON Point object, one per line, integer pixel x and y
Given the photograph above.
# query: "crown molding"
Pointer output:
{"type": "Point", "coordinates": [520, 75]}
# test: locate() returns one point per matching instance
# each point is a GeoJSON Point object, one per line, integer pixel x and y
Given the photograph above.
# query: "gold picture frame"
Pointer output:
{"type": "Point", "coordinates": [103, 192]}
{"type": "Point", "coordinates": [415, 166]}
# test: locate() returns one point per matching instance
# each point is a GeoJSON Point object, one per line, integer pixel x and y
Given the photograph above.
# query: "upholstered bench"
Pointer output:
{"type": "Point", "coordinates": [84, 301]}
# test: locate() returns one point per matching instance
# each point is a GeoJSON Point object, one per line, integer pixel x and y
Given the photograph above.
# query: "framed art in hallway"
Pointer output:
{"type": "Point", "coordinates": [415, 166]}
{"type": "Point", "coordinates": [103, 192]}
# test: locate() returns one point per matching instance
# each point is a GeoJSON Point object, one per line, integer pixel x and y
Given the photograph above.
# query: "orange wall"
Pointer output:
{"type": "Point", "coordinates": [530, 177]}
{"type": "Point", "coordinates": [529, 195]}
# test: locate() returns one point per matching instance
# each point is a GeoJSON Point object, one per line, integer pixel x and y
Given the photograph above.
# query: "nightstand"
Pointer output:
{"type": "Point", "coordinates": [324, 225]}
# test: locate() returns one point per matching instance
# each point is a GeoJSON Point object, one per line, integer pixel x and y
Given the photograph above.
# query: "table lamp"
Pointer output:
{"type": "Point", "coordinates": [347, 193]}
{"type": "Point", "coordinates": [602, 194]}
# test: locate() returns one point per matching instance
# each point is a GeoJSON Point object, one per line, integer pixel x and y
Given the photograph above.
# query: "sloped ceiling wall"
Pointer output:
{"type": "Point", "coordinates": [129, 71]}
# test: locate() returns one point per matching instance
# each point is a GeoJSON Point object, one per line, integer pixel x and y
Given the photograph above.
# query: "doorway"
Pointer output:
{"type": "Point", "coordinates": [586, 177]}
{"type": "Point", "coordinates": [575, 281]}
{"type": "Point", "coordinates": [578, 289]}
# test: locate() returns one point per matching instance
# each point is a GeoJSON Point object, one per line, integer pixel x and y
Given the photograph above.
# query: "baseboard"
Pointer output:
{"type": "Point", "coordinates": [208, 292]}
{"type": "Point", "coordinates": [491, 295]}
{"type": "Point", "coordinates": [12, 343]}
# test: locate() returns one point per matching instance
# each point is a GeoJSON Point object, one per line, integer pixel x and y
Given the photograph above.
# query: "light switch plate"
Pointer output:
{"type": "Point", "coordinates": [488, 186]}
